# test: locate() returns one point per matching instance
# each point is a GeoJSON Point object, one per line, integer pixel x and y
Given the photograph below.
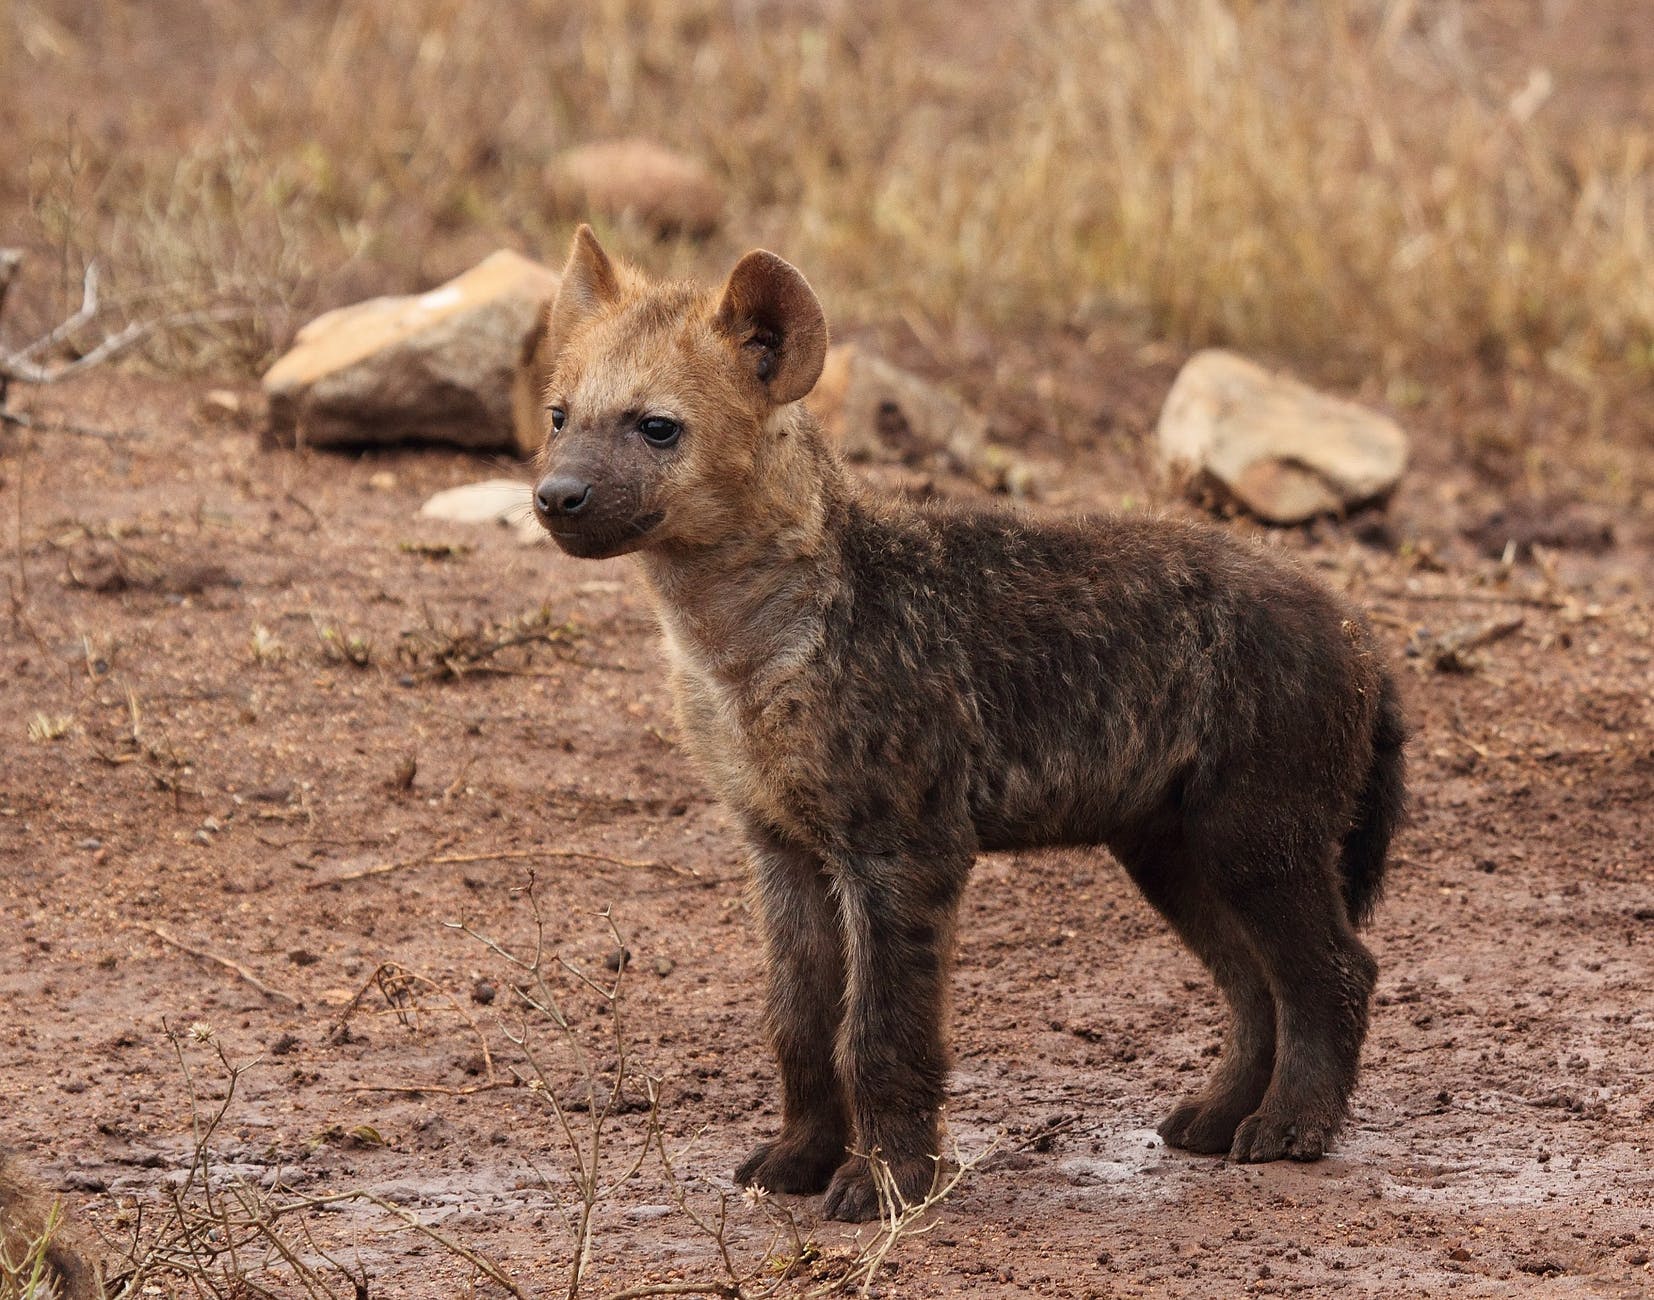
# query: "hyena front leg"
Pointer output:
{"type": "Point", "coordinates": [898, 919]}
{"type": "Point", "coordinates": [803, 941]}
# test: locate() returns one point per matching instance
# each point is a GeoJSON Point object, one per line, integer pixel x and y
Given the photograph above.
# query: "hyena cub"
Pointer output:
{"type": "Point", "coordinates": [879, 690]}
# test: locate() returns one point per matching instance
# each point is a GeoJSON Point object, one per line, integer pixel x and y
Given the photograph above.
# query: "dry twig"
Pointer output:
{"type": "Point", "coordinates": [227, 963]}
{"type": "Point", "coordinates": [19, 364]}
{"type": "Point", "coordinates": [500, 855]}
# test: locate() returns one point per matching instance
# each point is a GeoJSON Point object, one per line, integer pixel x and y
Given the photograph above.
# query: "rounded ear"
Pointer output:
{"type": "Point", "coordinates": [770, 313]}
{"type": "Point", "coordinates": [590, 283]}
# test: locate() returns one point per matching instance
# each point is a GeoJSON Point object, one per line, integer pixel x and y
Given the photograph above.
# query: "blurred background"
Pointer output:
{"type": "Point", "coordinates": [1440, 204]}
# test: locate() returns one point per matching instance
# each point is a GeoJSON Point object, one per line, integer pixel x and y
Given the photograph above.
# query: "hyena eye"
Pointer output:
{"type": "Point", "coordinates": [559, 417]}
{"type": "Point", "coordinates": [659, 432]}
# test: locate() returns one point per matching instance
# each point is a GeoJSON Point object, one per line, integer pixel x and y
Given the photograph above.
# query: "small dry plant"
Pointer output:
{"type": "Point", "coordinates": [446, 652]}
{"type": "Point", "coordinates": [25, 1272]}
{"type": "Point", "coordinates": [215, 1234]}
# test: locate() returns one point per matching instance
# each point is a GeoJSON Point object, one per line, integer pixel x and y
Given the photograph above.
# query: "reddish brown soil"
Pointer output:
{"type": "Point", "coordinates": [1503, 1135]}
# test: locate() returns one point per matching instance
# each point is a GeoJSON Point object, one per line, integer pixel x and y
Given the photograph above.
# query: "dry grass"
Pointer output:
{"type": "Point", "coordinates": [1336, 183]}
{"type": "Point", "coordinates": [25, 1268]}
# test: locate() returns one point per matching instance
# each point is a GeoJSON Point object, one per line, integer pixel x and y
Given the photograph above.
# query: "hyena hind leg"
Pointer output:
{"type": "Point", "coordinates": [1322, 978]}
{"type": "Point", "coordinates": [1206, 1121]}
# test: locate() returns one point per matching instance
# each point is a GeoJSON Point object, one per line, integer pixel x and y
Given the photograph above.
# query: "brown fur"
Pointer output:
{"type": "Point", "coordinates": [879, 690]}
{"type": "Point", "coordinates": [25, 1210]}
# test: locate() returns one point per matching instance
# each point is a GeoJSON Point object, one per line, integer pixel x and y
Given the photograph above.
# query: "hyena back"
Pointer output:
{"type": "Point", "coordinates": [879, 690]}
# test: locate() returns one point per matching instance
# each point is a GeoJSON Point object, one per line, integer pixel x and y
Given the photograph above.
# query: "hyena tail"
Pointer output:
{"type": "Point", "coordinates": [1382, 808]}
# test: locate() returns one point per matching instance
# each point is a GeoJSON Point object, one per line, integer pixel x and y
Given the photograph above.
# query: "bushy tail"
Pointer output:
{"type": "Point", "coordinates": [1383, 806]}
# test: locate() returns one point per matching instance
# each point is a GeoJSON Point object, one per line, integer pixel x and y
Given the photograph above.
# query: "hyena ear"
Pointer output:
{"type": "Point", "coordinates": [590, 283]}
{"type": "Point", "coordinates": [770, 313]}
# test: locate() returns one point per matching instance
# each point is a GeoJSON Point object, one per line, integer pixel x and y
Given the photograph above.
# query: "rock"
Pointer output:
{"type": "Point", "coordinates": [491, 501]}
{"type": "Point", "coordinates": [876, 411]}
{"type": "Point", "coordinates": [432, 367]}
{"type": "Point", "coordinates": [637, 180]}
{"type": "Point", "coordinates": [1283, 451]}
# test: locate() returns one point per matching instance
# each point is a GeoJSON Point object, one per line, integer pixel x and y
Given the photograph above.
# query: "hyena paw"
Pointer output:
{"type": "Point", "coordinates": [854, 1194]}
{"type": "Point", "coordinates": [1205, 1127]}
{"type": "Point", "coordinates": [788, 1165]}
{"type": "Point", "coordinates": [1262, 1137]}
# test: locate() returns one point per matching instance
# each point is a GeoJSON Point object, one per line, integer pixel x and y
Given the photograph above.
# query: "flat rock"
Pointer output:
{"type": "Point", "coordinates": [637, 180]}
{"type": "Point", "coordinates": [1234, 431]}
{"type": "Point", "coordinates": [438, 366]}
{"type": "Point", "coordinates": [874, 410]}
{"type": "Point", "coordinates": [502, 501]}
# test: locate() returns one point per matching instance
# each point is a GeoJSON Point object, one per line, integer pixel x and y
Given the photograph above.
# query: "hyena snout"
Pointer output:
{"type": "Point", "coordinates": [562, 496]}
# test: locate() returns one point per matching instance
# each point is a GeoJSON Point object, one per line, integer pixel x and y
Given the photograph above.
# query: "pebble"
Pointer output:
{"type": "Point", "coordinates": [664, 966]}
{"type": "Point", "coordinates": [482, 993]}
{"type": "Point", "coordinates": [646, 1213]}
{"type": "Point", "coordinates": [619, 958]}
{"type": "Point", "coordinates": [201, 837]}
{"type": "Point", "coordinates": [91, 843]}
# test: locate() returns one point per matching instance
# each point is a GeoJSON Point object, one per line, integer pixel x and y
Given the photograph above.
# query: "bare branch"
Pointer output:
{"type": "Point", "coordinates": [20, 365]}
{"type": "Point", "coordinates": [229, 965]}
{"type": "Point", "coordinates": [88, 310]}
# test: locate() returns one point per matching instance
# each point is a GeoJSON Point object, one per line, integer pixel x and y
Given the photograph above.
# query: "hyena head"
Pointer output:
{"type": "Point", "coordinates": [663, 403]}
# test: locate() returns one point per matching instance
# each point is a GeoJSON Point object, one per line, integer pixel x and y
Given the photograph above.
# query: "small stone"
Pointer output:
{"type": "Point", "coordinates": [648, 1213]}
{"type": "Point", "coordinates": [283, 1045]}
{"type": "Point", "coordinates": [1459, 1255]}
{"type": "Point", "coordinates": [211, 824]}
{"type": "Point", "coordinates": [383, 481]}
{"type": "Point", "coordinates": [91, 844]}
{"type": "Point", "coordinates": [618, 960]}
{"type": "Point", "coordinates": [664, 966]}
{"type": "Point", "coordinates": [1231, 431]}
{"type": "Point", "coordinates": [220, 405]}
{"type": "Point", "coordinates": [407, 768]}
{"type": "Point", "coordinates": [490, 501]}
{"type": "Point", "coordinates": [303, 957]}
{"type": "Point", "coordinates": [483, 993]}
{"type": "Point", "coordinates": [640, 181]}
{"type": "Point", "coordinates": [202, 837]}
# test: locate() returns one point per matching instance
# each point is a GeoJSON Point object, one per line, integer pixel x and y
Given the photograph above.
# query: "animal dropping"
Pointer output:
{"type": "Point", "coordinates": [879, 690]}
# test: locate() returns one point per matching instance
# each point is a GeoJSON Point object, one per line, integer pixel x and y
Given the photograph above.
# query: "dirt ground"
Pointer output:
{"type": "Point", "coordinates": [194, 761]}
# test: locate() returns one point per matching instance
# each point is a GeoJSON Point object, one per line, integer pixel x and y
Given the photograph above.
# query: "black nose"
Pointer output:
{"type": "Point", "coordinates": [563, 494]}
